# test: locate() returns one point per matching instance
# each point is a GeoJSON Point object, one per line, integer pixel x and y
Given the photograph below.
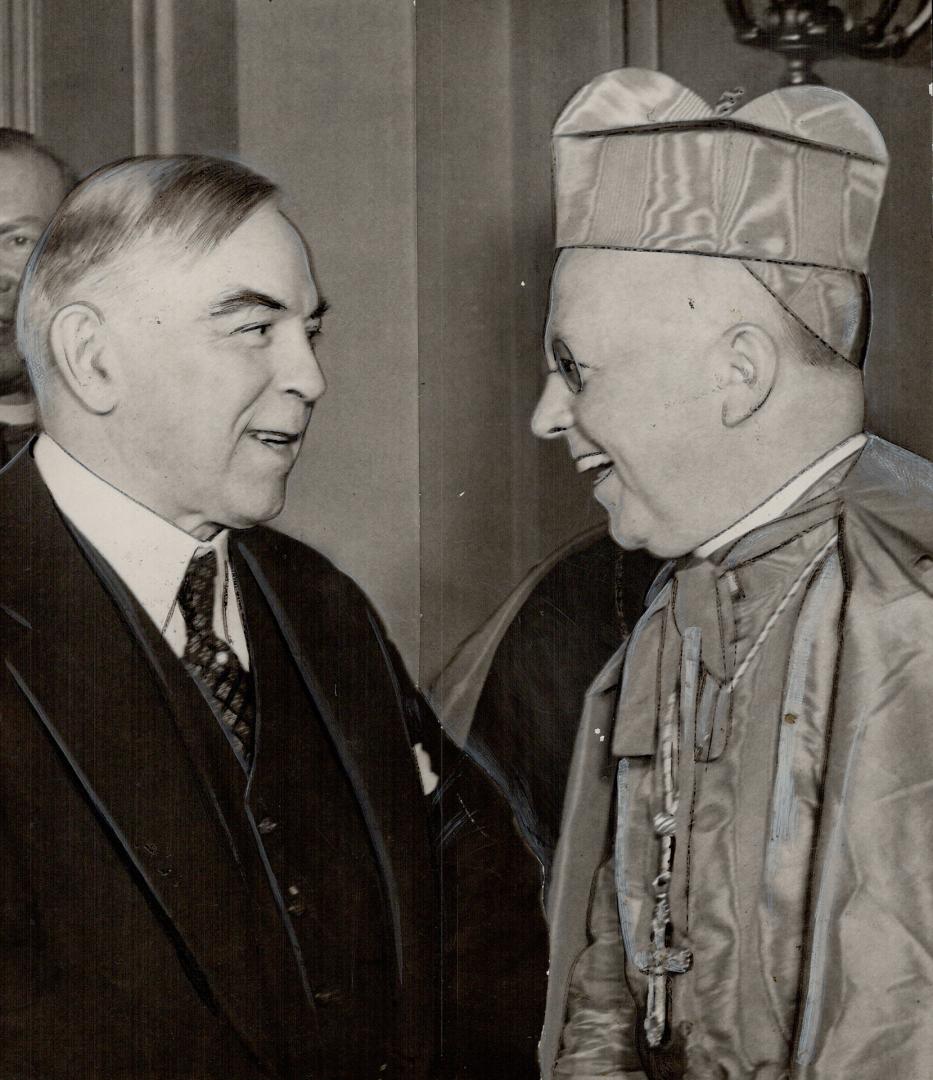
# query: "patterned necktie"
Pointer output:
{"type": "Point", "coordinates": [213, 660]}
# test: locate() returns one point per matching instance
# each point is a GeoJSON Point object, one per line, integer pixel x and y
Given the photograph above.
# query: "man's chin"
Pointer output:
{"type": "Point", "coordinates": [244, 514]}
{"type": "Point", "coordinates": [626, 539]}
{"type": "Point", "coordinates": [630, 537]}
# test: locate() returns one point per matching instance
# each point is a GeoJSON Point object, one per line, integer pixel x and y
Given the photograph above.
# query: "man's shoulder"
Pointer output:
{"type": "Point", "coordinates": [895, 469]}
{"type": "Point", "coordinates": [271, 544]}
{"type": "Point", "coordinates": [890, 490]}
{"type": "Point", "coordinates": [18, 477]}
{"type": "Point", "coordinates": [886, 519]}
{"type": "Point", "coordinates": [298, 572]}
{"type": "Point", "coordinates": [34, 533]}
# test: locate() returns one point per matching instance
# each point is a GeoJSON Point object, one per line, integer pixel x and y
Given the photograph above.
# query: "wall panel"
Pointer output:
{"type": "Point", "coordinates": [85, 96]}
{"type": "Point", "coordinates": [492, 76]}
{"type": "Point", "coordinates": [326, 107]}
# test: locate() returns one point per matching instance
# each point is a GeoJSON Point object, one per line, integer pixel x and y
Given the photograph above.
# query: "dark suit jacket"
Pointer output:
{"type": "Point", "coordinates": [160, 916]}
{"type": "Point", "coordinates": [13, 437]}
{"type": "Point", "coordinates": [511, 698]}
{"type": "Point", "coordinates": [511, 695]}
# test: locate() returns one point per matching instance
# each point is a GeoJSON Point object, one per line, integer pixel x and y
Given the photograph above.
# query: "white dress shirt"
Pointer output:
{"type": "Point", "coordinates": [148, 553]}
{"type": "Point", "coordinates": [785, 497]}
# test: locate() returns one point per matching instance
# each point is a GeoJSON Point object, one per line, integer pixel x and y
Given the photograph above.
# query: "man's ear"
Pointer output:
{"type": "Point", "coordinates": [79, 345]}
{"type": "Point", "coordinates": [747, 360]}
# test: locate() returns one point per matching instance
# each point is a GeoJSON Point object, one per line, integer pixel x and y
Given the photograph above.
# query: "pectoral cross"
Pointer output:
{"type": "Point", "coordinates": [658, 963]}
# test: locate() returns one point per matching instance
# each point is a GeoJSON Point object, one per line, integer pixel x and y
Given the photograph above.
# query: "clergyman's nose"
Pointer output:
{"type": "Point", "coordinates": [552, 415]}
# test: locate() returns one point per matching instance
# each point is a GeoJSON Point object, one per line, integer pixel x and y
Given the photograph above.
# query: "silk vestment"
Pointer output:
{"type": "Point", "coordinates": [800, 878]}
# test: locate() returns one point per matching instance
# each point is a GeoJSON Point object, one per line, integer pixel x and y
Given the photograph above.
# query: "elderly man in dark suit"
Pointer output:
{"type": "Point", "coordinates": [215, 854]}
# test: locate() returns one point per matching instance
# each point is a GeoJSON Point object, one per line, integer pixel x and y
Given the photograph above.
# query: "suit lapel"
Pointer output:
{"type": "Point", "coordinates": [314, 654]}
{"type": "Point", "coordinates": [138, 738]}
{"type": "Point", "coordinates": [347, 669]}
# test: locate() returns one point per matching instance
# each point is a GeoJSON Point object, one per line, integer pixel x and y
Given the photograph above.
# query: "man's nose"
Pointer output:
{"type": "Point", "coordinates": [300, 373]}
{"type": "Point", "coordinates": [552, 415]}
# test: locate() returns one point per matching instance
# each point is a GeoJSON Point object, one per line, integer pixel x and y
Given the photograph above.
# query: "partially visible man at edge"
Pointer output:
{"type": "Point", "coordinates": [33, 181]}
{"type": "Point", "coordinates": [214, 850]}
{"type": "Point", "coordinates": [741, 886]}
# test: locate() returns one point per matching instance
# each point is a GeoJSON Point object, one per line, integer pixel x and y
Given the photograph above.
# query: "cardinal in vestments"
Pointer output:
{"type": "Point", "coordinates": [741, 886]}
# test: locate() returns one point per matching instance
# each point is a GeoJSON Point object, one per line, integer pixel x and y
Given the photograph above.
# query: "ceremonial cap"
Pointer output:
{"type": "Point", "coordinates": [789, 184]}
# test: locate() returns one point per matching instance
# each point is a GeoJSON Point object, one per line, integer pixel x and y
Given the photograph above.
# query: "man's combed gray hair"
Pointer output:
{"type": "Point", "coordinates": [192, 201]}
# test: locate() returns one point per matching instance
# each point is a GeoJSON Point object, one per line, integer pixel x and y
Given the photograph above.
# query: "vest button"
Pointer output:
{"type": "Point", "coordinates": [295, 906]}
{"type": "Point", "coordinates": [326, 997]}
{"type": "Point", "coordinates": [267, 825]}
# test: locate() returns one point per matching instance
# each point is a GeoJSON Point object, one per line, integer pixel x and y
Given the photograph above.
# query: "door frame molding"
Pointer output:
{"type": "Point", "coordinates": [20, 61]}
{"type": "Point", "coordinates": [155, 112]}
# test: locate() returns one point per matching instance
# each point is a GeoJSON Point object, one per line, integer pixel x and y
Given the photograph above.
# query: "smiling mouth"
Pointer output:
{"type": "Point", "coordinates": [276, 439]}
{"type": "Point", "coordinates": [596, 462]}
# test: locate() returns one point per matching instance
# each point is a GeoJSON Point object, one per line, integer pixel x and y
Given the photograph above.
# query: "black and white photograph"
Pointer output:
{"type": "Point", "coordinates": [466, 540]}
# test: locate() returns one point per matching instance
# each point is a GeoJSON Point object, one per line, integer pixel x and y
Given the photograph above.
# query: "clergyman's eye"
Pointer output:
{"type": "Point", "coordinates": [567, 366]}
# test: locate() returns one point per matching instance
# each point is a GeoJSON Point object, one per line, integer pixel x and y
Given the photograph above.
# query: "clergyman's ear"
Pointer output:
{"type": "Point", "coordinates": [78, 341]}
{"type": "Point", "coordinates": [748, 357]}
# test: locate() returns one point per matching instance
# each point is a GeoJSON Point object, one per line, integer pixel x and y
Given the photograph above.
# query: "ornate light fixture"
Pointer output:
{"type": "Point", "coordinates": [810, 30]}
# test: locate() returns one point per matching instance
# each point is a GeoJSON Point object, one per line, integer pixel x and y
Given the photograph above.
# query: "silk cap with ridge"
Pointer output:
{"type": "Point", "coordinates": [790, 184]}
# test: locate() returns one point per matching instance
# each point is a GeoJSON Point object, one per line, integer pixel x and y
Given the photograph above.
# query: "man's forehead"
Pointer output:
{"type": "Point", "coordinates": [263, 258]}
{"type": "Point", "coordinates": [587, 282]}
{"type": "Point", "coordinates": [29, 183]}
{"type": "Point", "coordinates": [593, 280]}
{"type": "Point", "coordinates": [266, 242]}
{"type": "Point", "coordinates": [267, 267]}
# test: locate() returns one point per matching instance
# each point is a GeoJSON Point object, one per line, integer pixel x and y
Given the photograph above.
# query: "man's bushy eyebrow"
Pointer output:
{"type": "Point", "coordinates": [245, 298]}
{"type": "Point", "coordinates": [249, 298]}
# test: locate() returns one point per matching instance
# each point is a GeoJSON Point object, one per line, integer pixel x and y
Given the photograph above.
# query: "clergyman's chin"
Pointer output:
{"type": "Point", "coordinates": [630, 538]}
{"type": "Point", "coordinates": [624, 537]}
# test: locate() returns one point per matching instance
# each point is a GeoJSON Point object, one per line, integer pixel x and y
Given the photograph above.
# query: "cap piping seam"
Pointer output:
{"type": "Point", "coordinates": [710, 255]}
{"type": "Point", "coordinates": [717, 124]}
{"type": "Point", "coordinates": [790, 311]}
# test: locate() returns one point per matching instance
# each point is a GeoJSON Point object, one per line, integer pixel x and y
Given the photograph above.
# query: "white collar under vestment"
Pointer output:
{"type": "Point", "coordinates": [785, 497]}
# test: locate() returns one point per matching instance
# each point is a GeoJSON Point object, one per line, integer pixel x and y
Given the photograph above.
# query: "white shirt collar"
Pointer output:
{"type": "Point", "coordinates": [785, 497]}
{"type": "Point", "coordinates": [149, 553]}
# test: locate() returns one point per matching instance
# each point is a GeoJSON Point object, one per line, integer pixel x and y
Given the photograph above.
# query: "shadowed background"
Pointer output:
{"type": "Point", "coordinates": [412, 145]}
